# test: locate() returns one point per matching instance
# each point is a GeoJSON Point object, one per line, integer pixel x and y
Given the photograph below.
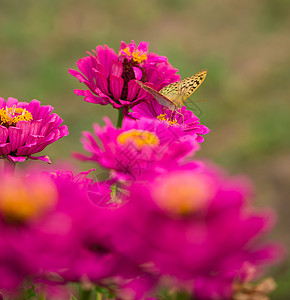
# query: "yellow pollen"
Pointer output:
{"type": "Point", "coordinates": [182, 193]}
{"type": "Point", "coordinates": [21, 201]}
{"type": "Point", "coordinates": [10, 116]}
{"type": "Point", "coordinates": [136, 55]}
{"type": "Point", "coordinates": [161, 117]}
{"type": "Point", "coordinates": [140, 138]}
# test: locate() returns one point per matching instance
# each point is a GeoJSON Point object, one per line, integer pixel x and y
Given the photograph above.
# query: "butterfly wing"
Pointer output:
{"type": "Point", "coordinates": [163, 100]}
{"type": "Point", "coordinates": [179, 91]}
{"type": "Point", "coordinates": [190, 84]}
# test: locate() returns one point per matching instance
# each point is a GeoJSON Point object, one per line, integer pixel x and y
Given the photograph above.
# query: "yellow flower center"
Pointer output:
{"type": "Point", "coordinates": [9, 116]}
{"type": "Point", "coordinates": [161, 117]}
{"type": "Point", "coordinates": [140, 138]}
{"type": "Point", "coordinates": [182, 193]}
{"type": "Point", "coordinates": [136, 55]}
{"type": "Point", "coordinates": [22, 200]}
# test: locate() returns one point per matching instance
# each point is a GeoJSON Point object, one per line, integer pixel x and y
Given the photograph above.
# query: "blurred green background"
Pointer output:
{"type": "Point", "coordinates": [244, 45]}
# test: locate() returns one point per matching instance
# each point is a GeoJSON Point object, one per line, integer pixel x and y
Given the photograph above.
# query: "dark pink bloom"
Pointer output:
{"type": "Point", "coordinates": [27, 128]}
{"type": "Point", "coordinates": [196, 226]}
{"type": "Point", "coordinates": [111, 78]}
{"type": "Point", "coordinates": [136, 148]}
{"type": "Point", "coordinates": [185, 119]}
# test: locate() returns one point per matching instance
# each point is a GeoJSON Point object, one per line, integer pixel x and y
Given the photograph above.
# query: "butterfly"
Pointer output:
{"type": "Point", "coordinates": [174, 95]}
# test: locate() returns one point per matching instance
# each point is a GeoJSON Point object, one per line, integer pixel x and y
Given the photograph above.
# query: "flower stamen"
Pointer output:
{"type": "Point", "coordinates": [10, 116]}
{"type": "Point", "coordinates": [136, 55]}
{"type": "Point", "coordinates": [161, 117]}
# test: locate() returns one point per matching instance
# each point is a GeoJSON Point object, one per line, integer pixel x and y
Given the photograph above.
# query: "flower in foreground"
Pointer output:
{"type": "Point", "coordinates": [185, 119]}
{"type": "Point", "coordinates": [27, 128]}
{"type": "Point", "coordinates": [52, 233]}
{"type": "Point", "coordinates": [111, 78]}
{"type": "Point", "coordinates": [196, 226]}
{"type": "Point", "coordinates": [136, 148]}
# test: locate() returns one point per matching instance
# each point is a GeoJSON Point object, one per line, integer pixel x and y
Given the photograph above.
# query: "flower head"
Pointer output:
{"type": "Point", "coordinates": [27, 128]}
{"type": "Point", "coordinates": [185, 119]}
{"type": "Point", "coordinates": [111, 78]}
{"type": "Point", "coordinates": [136, 148]}
{"type": "Point", "coordinates": [196, 226]}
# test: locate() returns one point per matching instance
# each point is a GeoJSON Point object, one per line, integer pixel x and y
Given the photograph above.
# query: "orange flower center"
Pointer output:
{"type": "Point", "coordinates": [140, 138]}
{"type": "Point", "coordinates": [182, 193]}
{"type": "Point", "coordinates": [21, 200]}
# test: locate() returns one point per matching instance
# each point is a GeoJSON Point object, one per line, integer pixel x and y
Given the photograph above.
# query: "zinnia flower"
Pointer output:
{"type": "Point", "coordinates": [136, 148]}
{"type": "Point", "coordinates": [195, 226]}
{"type": "Point", "coordinates": [185, 119]}
{"type": "Point", "coordinates": [110, 77]}
{"type": "Point", "coordinates": [27, 128]}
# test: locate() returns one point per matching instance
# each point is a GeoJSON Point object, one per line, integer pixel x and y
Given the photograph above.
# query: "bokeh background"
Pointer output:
{"type": "Point", "coordinates": [245, 46]}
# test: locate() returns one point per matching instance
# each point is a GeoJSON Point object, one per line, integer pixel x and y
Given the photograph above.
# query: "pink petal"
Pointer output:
{"type": "Point", "coordinates": [116, 86]}
{"type": "Point", "coordinates": [117, 68]}
{"type": "Point", "coordinates": [15, 137]}
{"type": "Point", "coordinates": [3, 134]}
{"type": "Point", "coordinates": [44, 158]}
{"type": "Point", "coordinates": [138, 73]}
{"type": "Point", "coordinates": [133, 88]}
{"type": "Point", "coordinates": [5, 148]}
{"type": "Point", "coordinates": [11, 101]}
{"type": "Point", "coordinates": [17, 158]}
{"type": "Point", "coordinates": [102, 83]}
{"type": "Point", "coordinates": [25, 126]}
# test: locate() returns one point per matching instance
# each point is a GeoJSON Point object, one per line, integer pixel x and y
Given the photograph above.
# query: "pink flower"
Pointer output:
{"type": "Point", "coordinates": [185, 119]}
{"type": "Point", "coordinates": [110, 78]}
{"type": "Point", "coordinates": [27, 128]}
{"type": "Point", "coordinates": [136, 148]}
{"type": "Point", "coordinates": [51, 232]}
{"type": "Point", "coordinates": [196, 226]}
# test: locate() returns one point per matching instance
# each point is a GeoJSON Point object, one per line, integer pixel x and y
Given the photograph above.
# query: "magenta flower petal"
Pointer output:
{"type": "Point", "coordinates": [138, 73]}
{"type": "Point", "coordinates": [17, 158]}
{"type": "Point", "coordinates": [117, 68]}
{"type": "Point", "coordinates": [3, 134]}
{"type": "Point", "coordinates": [5, 148]}
{"type": "Point", "coordinates": [44, 158]}
{"type": "Point", "coordinates": [116, 86]}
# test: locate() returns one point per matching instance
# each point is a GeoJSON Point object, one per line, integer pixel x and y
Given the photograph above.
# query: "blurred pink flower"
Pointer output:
{"type": "Point", "coordinates": [185, 119]}
{"type": "Point", "coordinates": [27, 128]}
{"type": "Point", "coordinates": [111, 77]}
{"type": "Point", "coordinates": [196, 226]}
{"type": "Point", "coordinates": [52, 233]}
{"type": "Point", "coordinates": [136, 148]}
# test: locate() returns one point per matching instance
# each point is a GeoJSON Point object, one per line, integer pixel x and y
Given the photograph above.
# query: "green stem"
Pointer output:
{"type": "Point", "coordinates": [9, 167]}
{"type": "Point", "coordinates": [85, 294]}
{"type": "Point", "coordinates": [99, 296]}
{"type": "Point", "coordinates": [120, 118]}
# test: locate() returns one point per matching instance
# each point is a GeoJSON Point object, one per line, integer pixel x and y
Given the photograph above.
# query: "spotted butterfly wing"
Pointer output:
{"type": "Point", "coordinates": [179, 91]}
{"type": "Point", "coordinates": [159, 97]}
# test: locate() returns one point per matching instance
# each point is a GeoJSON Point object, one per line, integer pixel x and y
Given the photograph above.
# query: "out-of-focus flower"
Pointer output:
{"type": "Point", "coordinates": [185, 119]}
{"type": "Point", "coordinates": [27, 128]}
{"type": "Point", "coordinates": [51, 233]}
{"type": "Point", "coordinates": [111, 78]}
{"type": "Point", "coordinates": [136, 148]}
{"type": "Point", "coordinates": [196, 226]}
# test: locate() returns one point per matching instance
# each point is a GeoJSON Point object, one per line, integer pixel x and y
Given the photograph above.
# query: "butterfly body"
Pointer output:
{"type": "Point", "coordinates": [175, 94]}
